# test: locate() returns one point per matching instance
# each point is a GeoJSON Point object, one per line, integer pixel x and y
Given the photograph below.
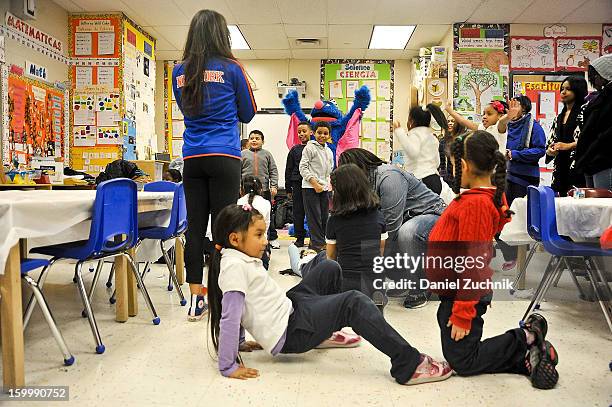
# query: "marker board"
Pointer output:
{"type": "Point", "coordinates": [274, 127]}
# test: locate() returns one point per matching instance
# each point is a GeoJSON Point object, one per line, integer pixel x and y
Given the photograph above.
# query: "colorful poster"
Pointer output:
{"type": "Point", "coordinates": [108, 135]}
{"type": "Point", "coordinates": [129, 139]}
{"type": "Point", "coordinates": [532, 53]}
{"type": "Point", "coordinates": [84, 136]}
{"type": "Point", "coordinates": [576, 53]}
{"type": "Point", "coordinates": [108, 102]}
{"type": "Point", "coordinates": [481, 37]}
{"type": "Point", "coordinates": [606, 39]}
{"type": "Point", "coordinates": [83, 105]}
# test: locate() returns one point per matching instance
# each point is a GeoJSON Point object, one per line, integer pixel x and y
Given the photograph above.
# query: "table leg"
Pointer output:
{"type": "Point", "coordinates": [121, 289]}
{"type": "Point", "coordinates": [12, 322]}
{"type": "Point", "coordinates": [132, 290]}
{"type": "Point", "coordinates": [179, 256]}
{"type": "Point", "coordinates": [520, 263]}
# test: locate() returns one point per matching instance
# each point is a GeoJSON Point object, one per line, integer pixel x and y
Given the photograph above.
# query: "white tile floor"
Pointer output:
{"type": "Point", "coordinates": [169, 364]}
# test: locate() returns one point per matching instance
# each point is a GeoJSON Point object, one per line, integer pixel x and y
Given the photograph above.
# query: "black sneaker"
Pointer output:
{"type": "Point", "coordinates": [417, 300]}
{"type": "Point", "coordinates": [542, 363]}
{"type": "Point", "coordinates": [299, 243]}
{"type": "Point", "coordinates": [537, 325]}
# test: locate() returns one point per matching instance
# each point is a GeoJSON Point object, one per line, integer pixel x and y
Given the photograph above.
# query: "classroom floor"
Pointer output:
{"type": "Point", "coordinates": [170, 365]}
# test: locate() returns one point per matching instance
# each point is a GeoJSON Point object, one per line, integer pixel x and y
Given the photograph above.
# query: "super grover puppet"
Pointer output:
{"type": "Point", "coordinates": [345, 128]}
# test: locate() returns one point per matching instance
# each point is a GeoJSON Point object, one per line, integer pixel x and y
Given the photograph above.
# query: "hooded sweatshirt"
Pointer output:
{"type": "Point", "coordinates": [317, 162]}
{"type": "Point", "coordinates": [421, 147]}
{"type": "Point", "coordinates": [465, 230]}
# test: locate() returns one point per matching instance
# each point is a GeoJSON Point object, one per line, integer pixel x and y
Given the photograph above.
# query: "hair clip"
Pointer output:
{"type": "Point", "coordinates": [497, 105]}
{"type": "Point", "coordinates": [247, 207]}
{"type": "Point", "coordinates": [218, 247]}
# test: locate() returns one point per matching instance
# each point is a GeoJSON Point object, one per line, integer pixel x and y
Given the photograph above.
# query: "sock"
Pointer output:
{"type": "Point", "coordinates": [530, 337]}
{"type": "Point", "coordinates": [194, 301]}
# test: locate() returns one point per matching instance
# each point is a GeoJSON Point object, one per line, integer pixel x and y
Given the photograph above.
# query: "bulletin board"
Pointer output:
{"type": "Point", "coordinates": [481, 67]}
{"type": "Point", "coordinates": [606, 39]}
{"type": "Point", "coordinates": [174, 121]}
{"type": "Point", "coordinates": [340, 79]}
{"type": "Point", "coordinates": [139, 89]}
{"type": "Point", "coordinates": [36, 121]}
{"type": "Point", "coordinates": [96, 95]}
{"type": "Point", "coordinates": [575, 53]}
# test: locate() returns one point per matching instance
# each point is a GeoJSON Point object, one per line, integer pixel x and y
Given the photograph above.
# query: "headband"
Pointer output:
{"type": "Point", "coordinates": [498, 106]}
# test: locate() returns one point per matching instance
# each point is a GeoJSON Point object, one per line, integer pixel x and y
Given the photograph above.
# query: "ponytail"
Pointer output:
{"type": "Point", "coordinates": [439, 117]}
{"type": "Point", "coordinates": [499, 181]}
{"type": "Point", "coordinates": [457, 153]}
{"type": "Point", "coordinates": [251, 185]}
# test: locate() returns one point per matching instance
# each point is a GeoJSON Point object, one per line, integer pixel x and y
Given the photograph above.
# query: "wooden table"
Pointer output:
{"type": "Point", "coordinates": [11, 312]}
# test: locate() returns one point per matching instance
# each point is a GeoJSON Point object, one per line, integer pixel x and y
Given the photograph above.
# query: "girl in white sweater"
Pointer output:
{"type": "Point", "coordinates": [421, 146]}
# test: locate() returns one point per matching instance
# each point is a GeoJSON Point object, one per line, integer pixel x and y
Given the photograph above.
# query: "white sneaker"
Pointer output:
{"type": "Point", "coordinates": [275, 244]}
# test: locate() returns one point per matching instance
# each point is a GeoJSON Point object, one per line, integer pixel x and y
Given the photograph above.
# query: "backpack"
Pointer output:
{"type": "Point", "coordinates": [282, 213]}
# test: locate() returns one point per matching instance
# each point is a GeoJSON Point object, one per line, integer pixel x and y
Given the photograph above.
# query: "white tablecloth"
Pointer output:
{"type": "Point", "coordinates": [59, 216]}
{"type": "Point", "coordinates": [580, 219]}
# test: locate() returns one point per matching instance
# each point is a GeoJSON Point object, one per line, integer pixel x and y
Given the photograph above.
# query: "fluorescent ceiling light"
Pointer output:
{"type": "Point", "coordinates": [237, 39]}
{"type": "Point", "coordinates": [391, 36]}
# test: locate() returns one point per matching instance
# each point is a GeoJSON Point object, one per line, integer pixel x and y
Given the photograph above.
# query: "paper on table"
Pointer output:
{"type": "Point", "coordinates": [383, 109]}
{"type": "Point", "coordinates": [335, 90]}
{"type": "Point", "coordinates": [368, 129]}
{"type": "Point", "coordinates": [384, 89]}
{"type": "Point", "coordinates": [82, 43]}
{"type": "Point", "coordinates": [383, 130]}
{"type": "Point", "coordinates": [106, 43]}
{"type": "Point", "coordinates": [351, 87]}
{"type": "Point", "coordinates": [106, 76]}
{"type": "Point", "coordinates": [83, 76]}
{"type": "Point", "coordinates": [84, 136]}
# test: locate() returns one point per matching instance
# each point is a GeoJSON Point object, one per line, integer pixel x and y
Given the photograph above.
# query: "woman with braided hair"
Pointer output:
{"type": "Point", "coordinates": [465, 233]}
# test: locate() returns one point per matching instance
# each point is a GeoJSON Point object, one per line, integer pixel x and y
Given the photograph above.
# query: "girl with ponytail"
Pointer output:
{"type": "Point", "coordinates": [421, 146]}
{"type": "Point", "coordinates": [251, 190]}
{"type": "Point", "coordinates": [465, 232]}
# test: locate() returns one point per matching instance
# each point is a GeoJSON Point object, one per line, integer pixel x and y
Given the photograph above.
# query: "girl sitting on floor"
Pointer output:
{"type": "Point", "coordinates": [465, 231]}
{"type": "Point", "coordinates": [242, 294]}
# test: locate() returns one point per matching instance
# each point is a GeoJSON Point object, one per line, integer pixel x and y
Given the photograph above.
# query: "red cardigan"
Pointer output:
{"type": "Point", "coordinates": [466, 228]}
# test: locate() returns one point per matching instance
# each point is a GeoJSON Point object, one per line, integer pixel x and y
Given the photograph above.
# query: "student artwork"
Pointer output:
{"type": "Point", "coordinates": [606, 39]}
{"type": "Point", "coordinates": [532, 53]}
{"type": "Point", "coordinates": [575, 54]}
{"type": "Point", "coordinates": [83, 110]}
{"type": "Point", "coordinates": [478, 85]}
{"type": "Point", "coordinates": [109, 135]}
{"type": "Point", "coordinates": [345, 128]}
{"type": "Point", "coordinates": [108, 102]}
{"type": "Point", "coordinates": [84, 136]}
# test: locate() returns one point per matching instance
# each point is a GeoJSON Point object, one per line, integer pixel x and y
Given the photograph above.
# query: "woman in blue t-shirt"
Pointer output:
{"type": "Point", "coordinates": [213, 93]}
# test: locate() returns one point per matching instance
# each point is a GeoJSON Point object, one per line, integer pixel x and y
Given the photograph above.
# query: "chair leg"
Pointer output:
{"type": "Point", "coordinates": [551, 269]}
{"type": "Point", "coordinates": [100, 348]}
{"type": "Point", "coordinates": [582, 295]}
{"type": "Point", "coordinates": [594, 275]}
{"type": "Point", "coordinates": [170, 266]}
{"type": "Point", "coordinates": [94, 283]}
{"type": "Point", "coordinates": [44, 307]}
{"type": "Point", "coordinates": [523, 269]}
{"type": "Point", "coordinates": [549, 282]}
{"type": "Point", "coordinates": [145, 270]}
{"type": "Point", "coordinates": [32, 302]}
{"type": "Point", "coordinates": [143, 289]}
{"type": "Point", "coordinates": [109, 282]}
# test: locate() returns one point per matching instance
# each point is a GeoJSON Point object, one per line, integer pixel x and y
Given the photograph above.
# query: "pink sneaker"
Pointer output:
{"type": "Point", "coordinates": [430, 370]}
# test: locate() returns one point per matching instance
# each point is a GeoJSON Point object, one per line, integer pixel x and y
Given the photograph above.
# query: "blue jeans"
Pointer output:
{"type": "Point", "coordinates": [602, 179]}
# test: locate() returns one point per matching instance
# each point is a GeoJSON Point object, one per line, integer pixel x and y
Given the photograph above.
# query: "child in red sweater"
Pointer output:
{"type": "Point", "coordinates": [466, 230]}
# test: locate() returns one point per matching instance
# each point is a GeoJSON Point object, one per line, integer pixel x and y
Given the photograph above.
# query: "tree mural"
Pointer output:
{"type": "Point", "coordinates": [479, 80]}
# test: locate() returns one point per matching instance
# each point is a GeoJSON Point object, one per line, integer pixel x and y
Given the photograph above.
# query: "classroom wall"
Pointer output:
{"type": "Point", "coordinates": [53, 20]}
{"type": "Point", "coordinates": [160, 119]}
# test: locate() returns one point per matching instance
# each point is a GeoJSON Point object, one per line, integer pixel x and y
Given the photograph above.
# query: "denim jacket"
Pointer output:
{"type": "Point", "coordinates": [403, 196]}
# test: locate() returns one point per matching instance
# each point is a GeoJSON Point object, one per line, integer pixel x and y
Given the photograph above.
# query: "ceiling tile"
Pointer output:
{"type": "Point", "coordinates": [303, 12]}
{"type": "Point", "coordinates": [158, 12]}
{"type": "Point", "coordinates": [305, 31]}
{"type": "Point", "coordinates": [427, 35]}
{"type": "Point", "coordinates": [164, 55]}
{"type": "Point", "coordinates": [309, 53]}
{"type": "Point", "coordinates": [174, 34]}
{"type": "Point", "coordinates": [349, 36]}
{"type": "Point", "coordinates": [547, 11]}
{"type": "Point", "coordinates": [346, 53]}
{"type": "Point", "coordinates": [272, 53]}
{"type": "Point", "coordinates": [499, 11]}
{"type": "Point", "coordinates": [593, 11]}
{"type": "Point", "coordinates": [265, 36]}
{"type": "Point", "coordinates": [244, 54]}
{"type": "Point", "coordinates": [384, 53]}
{"type": "Point", "coordinates": [255, 12]}
{"type": "Point", "coordinates": [69, 6]}
{"type": "Point", "coordinates": [415, 12]}
{"type": "Point", "coordinates": [355, 12]}
{"type": "Point", "coordinates": [161, 42]}
{"type": "Point", "coordinates": [102, 5]}
{"type": "Point", "coordinates": [191, 7]}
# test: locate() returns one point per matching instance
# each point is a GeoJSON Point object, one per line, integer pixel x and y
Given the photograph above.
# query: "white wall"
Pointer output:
{"type": "Point", "coordinates": [53, 20]}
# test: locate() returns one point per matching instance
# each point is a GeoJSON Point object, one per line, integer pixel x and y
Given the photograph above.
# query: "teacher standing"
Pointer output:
{"type": "Point", "coordinates": [213, 93]}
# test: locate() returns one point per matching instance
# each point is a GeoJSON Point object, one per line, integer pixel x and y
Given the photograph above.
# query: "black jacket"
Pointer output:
{"type": "Point", "coordinates": [292, 169]}
{"type": "Point", "coordinates": [594, 148]}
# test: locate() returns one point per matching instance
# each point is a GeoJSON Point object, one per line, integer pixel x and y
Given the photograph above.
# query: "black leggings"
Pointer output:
{"type": "Point", "coordinates": [433, 182]}
{"type": "Point", "coordinates": [319, 309]}
{"type": "Point", "coordinates": [211, 183]}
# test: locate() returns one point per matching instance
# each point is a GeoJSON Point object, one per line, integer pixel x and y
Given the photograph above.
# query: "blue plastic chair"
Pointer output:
{"type": "Point", "coordinates": [563, 248]}
{"type": "Point", "coordinates": [28, 265]}
{"type": "Point", "coordinates": [114, 230]}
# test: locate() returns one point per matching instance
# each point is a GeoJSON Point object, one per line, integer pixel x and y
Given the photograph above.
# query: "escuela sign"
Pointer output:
{"type": "Point", "coordinates": [18, 25]}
